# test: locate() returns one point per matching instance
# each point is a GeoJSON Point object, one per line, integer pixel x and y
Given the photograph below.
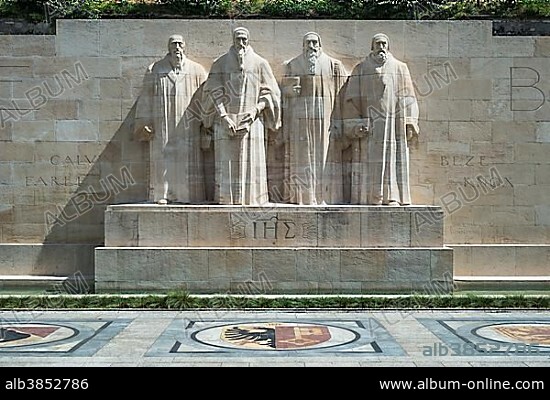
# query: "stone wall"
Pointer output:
{"type": "Point", "coordinates": [10, 26]}
{"type": "Point", "coordinates": [67, 104]}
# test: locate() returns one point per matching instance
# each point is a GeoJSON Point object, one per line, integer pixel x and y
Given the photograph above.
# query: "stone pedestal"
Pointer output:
{"type": "Point", "coordinates": [274, 249]}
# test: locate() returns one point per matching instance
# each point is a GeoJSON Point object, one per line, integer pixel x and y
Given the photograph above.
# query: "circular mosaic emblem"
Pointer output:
{"type": "Point", "coordinates": [526, 333]}
{"type": "Point", "coordinates": [275, 336]}
{"type": "Point", "coordinates": [18, 335]}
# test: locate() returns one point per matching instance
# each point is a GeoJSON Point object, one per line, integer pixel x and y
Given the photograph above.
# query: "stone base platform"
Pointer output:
{"type": "Point", "coordinates": [268, 270]}
{"type": "Point", "coordinates": [279, 249]}
{"type": "Point", "coordinates": [279, 225]}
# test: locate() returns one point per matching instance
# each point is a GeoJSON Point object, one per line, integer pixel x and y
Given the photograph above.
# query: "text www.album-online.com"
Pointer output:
{"type": "Point", "coordinates": [484, 384]}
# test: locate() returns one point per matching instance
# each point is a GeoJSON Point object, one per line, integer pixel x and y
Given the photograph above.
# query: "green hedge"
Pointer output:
{"type": "Point", "coordinates": [183, 301]}
{"type": "Point", "coordinates": [337, 9]}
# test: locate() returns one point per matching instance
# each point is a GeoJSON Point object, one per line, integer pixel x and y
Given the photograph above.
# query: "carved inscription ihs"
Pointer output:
{"type": "Point", "coordinates": [271, 228]}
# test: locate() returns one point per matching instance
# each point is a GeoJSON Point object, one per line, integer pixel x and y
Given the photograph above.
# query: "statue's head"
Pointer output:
{"type": "Point", "coordinates": [176, 48]}
{"type": "Point", "coordinates": [312, 44]}
{"type": "Point", "coordinates": [380, 46]}
{"type": "Point", "coordinates": [240, 38]}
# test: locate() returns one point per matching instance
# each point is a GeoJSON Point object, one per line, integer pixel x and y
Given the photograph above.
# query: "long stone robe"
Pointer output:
{"type": "Point", "coordinates": [383, 94]}
{"type": "Point", "coordinates": [175, 158]}
{"type": "Point", "coordinates": [307, 119]}
{"type": "Point", "coordinates": [240, 161]}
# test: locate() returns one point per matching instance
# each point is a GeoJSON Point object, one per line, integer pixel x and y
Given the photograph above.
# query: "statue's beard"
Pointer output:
{"type": "Point", "coordinates": [178, 57]}
{"type": "Point", "coordinates": [241, 50]}
{"type": "Point", "coordinates": [312, 54]}
{"type": "Point", "coordinates": [381, 57]}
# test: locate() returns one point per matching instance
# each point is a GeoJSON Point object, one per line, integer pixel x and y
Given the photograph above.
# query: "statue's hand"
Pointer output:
{"type": "Point", "coordinates": [291, 86]}
{"type": "Point", "coordinates": [145, 134]}
{"type": "Point", "coordinates": [358, 132]}
{"type": "Point", "coordinates": [361, 131]}
{"type": "Point", "coordinates": [356, 128]}
{"type": "Point", "coordinates": [412, 134]}
{"type": "Point", "coordinates": [229, 125]}
{"type": "Point", "coordinates": [250, 117]}
{"type": "Point", "coordinates": [293, 91]}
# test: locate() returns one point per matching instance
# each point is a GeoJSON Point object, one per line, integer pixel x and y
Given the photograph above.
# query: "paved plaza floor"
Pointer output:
{"type": "Point", "coordinates": [275, 338]}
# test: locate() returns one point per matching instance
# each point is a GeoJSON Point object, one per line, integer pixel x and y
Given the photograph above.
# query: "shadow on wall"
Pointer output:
{"type": "Point", "coordinates": [119, 175]}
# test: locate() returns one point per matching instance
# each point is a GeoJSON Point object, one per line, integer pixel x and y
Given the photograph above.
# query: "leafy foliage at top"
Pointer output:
{"type": "Point", "coordinates": [39, 10]}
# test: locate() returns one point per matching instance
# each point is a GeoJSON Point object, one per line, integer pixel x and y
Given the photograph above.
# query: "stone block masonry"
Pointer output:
{"type": "Point", "coordinates": [66, 121]}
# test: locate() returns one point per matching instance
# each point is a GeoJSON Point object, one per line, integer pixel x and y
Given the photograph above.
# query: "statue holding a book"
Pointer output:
{"type": "Point", "coordinates": [244, 102]}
